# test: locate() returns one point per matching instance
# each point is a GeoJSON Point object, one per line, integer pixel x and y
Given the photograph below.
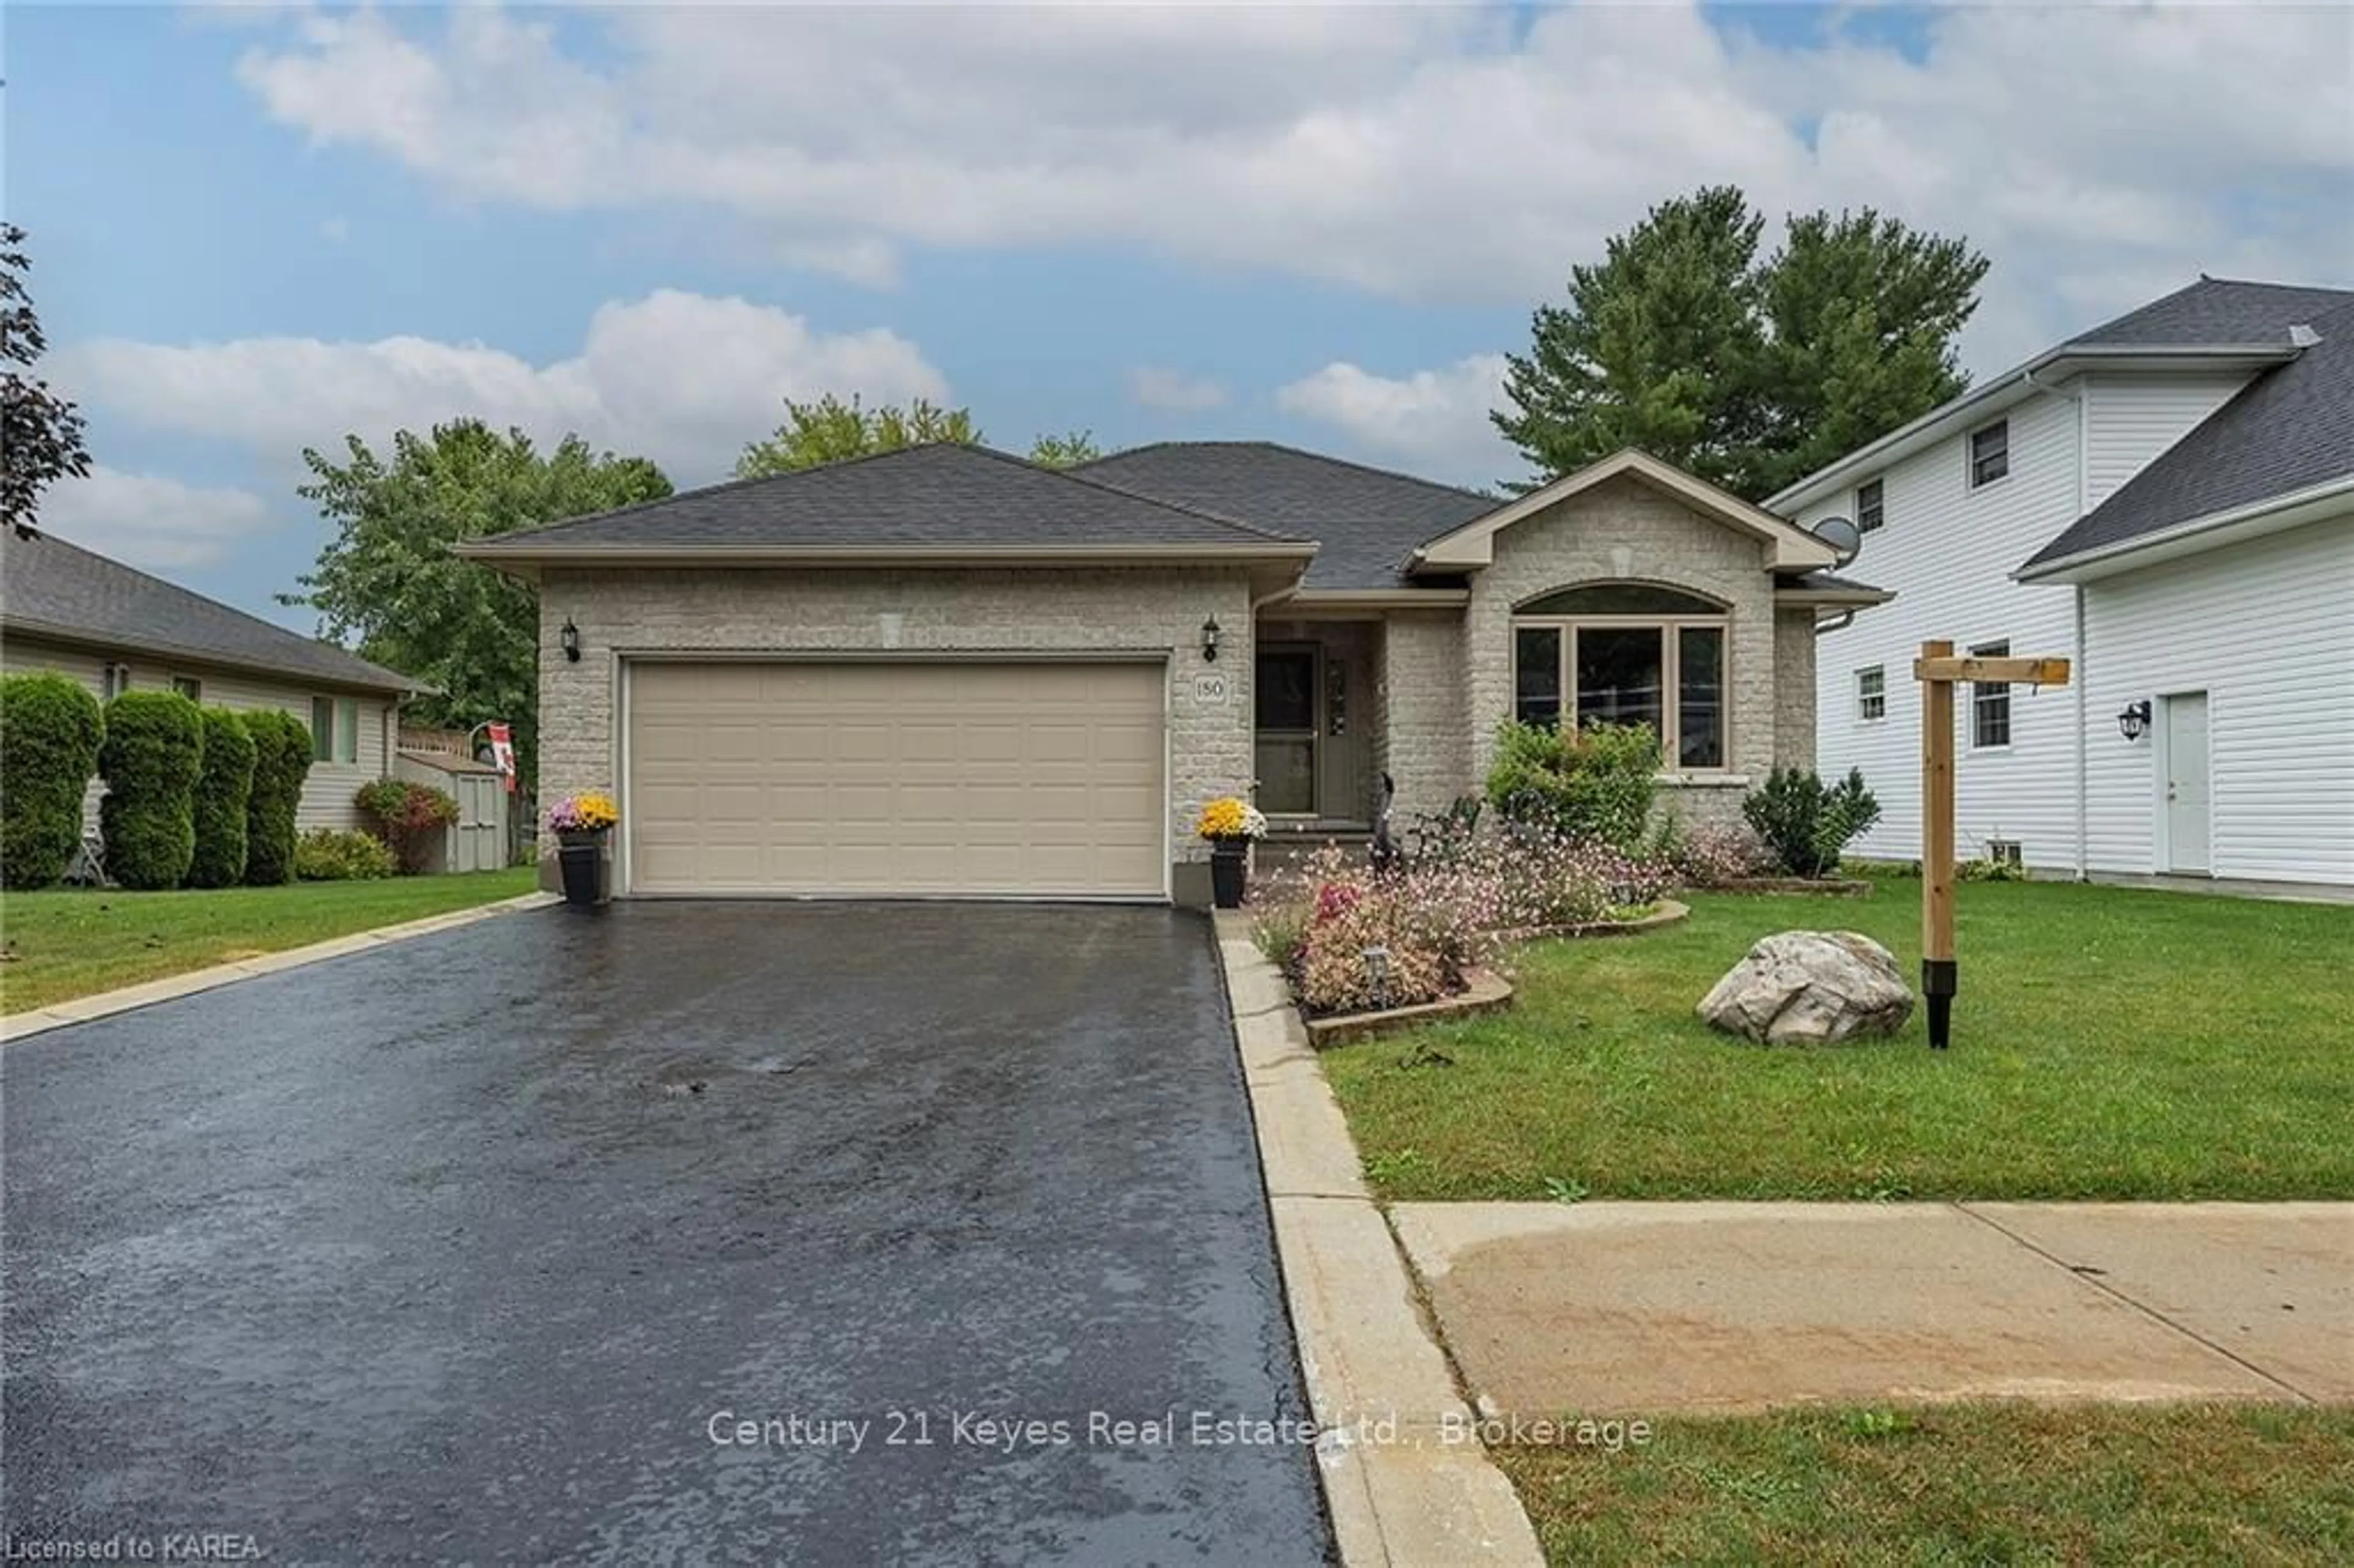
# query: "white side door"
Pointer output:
{"type": "Point", "coordinates": [2185, 784]}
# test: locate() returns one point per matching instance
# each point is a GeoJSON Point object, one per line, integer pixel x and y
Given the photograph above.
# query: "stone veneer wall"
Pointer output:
{"type": "Point", "coordinates": [1625, 530]}
{"type": "Point", "coordinates": [1124, 609]}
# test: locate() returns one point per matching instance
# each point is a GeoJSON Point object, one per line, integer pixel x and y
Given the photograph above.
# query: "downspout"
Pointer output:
{"type": "Point", "coordinates": [2082, 698]}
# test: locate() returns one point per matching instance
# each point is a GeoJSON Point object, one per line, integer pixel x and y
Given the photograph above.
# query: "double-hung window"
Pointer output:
{"type": "Point", "coordinates": [1872, 692]}
{"type": "Point", "coordinates": [334, 730]}
{"type": "Point", "coordinates": [1626, 654]}
{"type": "Point", "coordinates": [189, 687]}
{"type": "Point", "coordinates": [1990, 453]}
{"type": "Point", "coordinates": [1870, 506]}
{"type": "Point", "coordinates": [1990, 700]}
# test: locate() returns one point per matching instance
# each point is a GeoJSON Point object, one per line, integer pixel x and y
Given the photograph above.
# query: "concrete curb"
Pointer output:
{"type": "Point", "coordinates": [1403, 1481]}
{"type": "Point", "coordinates": [18, 1026]}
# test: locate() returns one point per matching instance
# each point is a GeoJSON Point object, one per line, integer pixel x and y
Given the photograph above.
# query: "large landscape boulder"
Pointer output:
{"type": "Point", "coordinates": [1811, 988]}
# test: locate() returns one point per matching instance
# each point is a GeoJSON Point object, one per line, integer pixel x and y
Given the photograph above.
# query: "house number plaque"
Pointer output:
{"type": "Point", "coordinates": [1210, 689]}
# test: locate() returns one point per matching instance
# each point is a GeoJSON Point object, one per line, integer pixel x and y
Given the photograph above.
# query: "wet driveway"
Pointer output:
{"type": "Point", "coordinates": [688, 1233]}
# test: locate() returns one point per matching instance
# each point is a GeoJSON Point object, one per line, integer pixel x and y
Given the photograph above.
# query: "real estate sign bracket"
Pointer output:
{"type": "Point", "coordinates": [1937, 670]}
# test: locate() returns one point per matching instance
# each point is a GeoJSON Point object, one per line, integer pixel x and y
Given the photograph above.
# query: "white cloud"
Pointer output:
{"type": "Point", "coordinates": [683, 378]}
{"type": "Point", "coordinates": [1154, 388]}
{"type": "Point", "coordinates": [147, 520]}
{"type": "Point", "coordinates": [1432, 152]}
{"type": "Point", "coordinates": [1436, 420]}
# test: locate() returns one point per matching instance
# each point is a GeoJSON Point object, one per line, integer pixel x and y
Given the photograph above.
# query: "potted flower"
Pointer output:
{"type": "Point", "coordinates": [580, 823]}
{"type": "Point", "coordinates": [1230, 823]}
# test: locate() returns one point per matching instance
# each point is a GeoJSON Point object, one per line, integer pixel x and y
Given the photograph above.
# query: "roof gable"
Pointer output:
{"type": "Point", "coordinates": [2286, 434]}
{"type": "Point", "coordinates": [941, 498]}
{"type": "Point", "coordinates": [1788, 547]}
{"type": "Point", "coordinates": [50, 587]}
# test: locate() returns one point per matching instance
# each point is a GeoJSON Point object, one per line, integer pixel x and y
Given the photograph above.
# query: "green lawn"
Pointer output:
{"type": "Point", "coordinates": [1960, 1486]}
{"type": "Point", "coordinates": [2108, 1043]}
{"type": "Point", "coordinates": [73, 943]}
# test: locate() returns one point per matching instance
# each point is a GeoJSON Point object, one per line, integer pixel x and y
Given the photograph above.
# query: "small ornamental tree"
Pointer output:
{"type": "Point", "coordinates": [282, 760]}
{"type": "Point", "coordinates": [50, 732]}
{"type": "Point", "coordinates": [155, 751]}
{"type": "Point", "coordinates": [224, 798]}
{"type": "Point", "coordinates": [1806, 823]}
{"type": "Point", "coordinates": [407, 816]}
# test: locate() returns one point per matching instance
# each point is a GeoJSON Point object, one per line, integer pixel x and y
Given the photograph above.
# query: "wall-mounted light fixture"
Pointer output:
{"type": "Point", "coordinates": [1210, 640]}
{"type": "Point", "coordinates": [2133, 720]}
{"type": "Point", "coordinates": [570, 638]}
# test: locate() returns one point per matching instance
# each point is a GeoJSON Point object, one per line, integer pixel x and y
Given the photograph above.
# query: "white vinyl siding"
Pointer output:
{"type": "Point", "coordinates": [2130, 420]}
{"type": "Point", "coordinates": [2263, 628]}
{"type": "Point", "coordinates": [1948, 555]}
{"type": "Point", "coordinates": [326, 793]}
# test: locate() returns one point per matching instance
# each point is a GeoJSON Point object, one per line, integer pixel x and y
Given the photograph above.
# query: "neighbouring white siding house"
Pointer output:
{"type": "Point", "coordinates": [113, 629]}
{"type": "Point", "coordinates": [2174, 512]}
{"type": "Point", "coordinates": [2264, 633]}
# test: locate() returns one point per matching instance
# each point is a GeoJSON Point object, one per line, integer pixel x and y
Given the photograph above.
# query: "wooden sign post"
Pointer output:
{"type": "Point", "coordinates": [1939, 672]}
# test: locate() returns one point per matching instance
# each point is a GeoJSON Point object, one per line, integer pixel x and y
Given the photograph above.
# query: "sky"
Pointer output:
{"type": "Point", "coordinates": [257, 229]}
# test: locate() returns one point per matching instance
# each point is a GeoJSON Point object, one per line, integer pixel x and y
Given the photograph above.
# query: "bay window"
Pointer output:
{"type": "Point", "coordinates": [1626, 654]}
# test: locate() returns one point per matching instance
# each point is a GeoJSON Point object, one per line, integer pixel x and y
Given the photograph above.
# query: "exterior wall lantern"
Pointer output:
{"type": "Point", "coordinates": [2132, 722]}
{"type": "Point", "coordinates": [570, 638]}
{"type": "Point", "coordinates": [1210, 640]}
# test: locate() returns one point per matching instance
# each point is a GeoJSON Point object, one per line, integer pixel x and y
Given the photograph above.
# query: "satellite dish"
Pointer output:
{"type": "Point", "coordinates": [1842, 536]}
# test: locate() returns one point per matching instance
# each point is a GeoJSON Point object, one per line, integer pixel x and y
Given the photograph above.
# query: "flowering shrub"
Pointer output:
{"type": "Point", "coordinates": [1231, 816]}
{"type": "Point", "coordinates": [407, 816]}
{"type": "Point", "coordinates": [1717, 854]}
{"type": "Point", "coordinates": [587, 813]}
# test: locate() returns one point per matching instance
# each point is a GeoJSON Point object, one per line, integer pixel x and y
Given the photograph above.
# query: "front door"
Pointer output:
{"type": "Point", "coordinates": [2186, 783]}
{"type": "Point", "coordinates": [1284, 693]}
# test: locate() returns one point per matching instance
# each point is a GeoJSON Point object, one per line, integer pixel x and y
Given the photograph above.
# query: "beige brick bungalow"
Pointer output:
{"type": "Point", "coordinates": [947, 672]}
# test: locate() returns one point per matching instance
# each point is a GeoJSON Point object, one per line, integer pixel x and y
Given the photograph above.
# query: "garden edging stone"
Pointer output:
{"type": "Point", "coordinates": [1484, 992]}
{"type": "Point", "coordinates": [23, 1025]}
{"type": "Point", "coordinates": [1382, 1394]}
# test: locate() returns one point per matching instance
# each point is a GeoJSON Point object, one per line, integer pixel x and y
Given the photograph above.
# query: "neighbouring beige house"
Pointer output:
{"type": "Point", "coordinates": [114, 630]}
{"type": "Point", "coordinates": [946, 672]}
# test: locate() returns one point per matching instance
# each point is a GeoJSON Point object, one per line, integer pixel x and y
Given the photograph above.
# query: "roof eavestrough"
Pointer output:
{"type": "Point", "coordinates": [2273, 514]}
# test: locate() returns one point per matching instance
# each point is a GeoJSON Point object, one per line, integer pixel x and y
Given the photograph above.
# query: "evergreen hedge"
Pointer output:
{"type": "Point", "coordinates": [154, 752]}
{"type": "Point", "coordinates": [50, 732]}
{"type": "Point", "coordinates": [282, 761]}
{"type": "Point", "coordinates": [223, 790]}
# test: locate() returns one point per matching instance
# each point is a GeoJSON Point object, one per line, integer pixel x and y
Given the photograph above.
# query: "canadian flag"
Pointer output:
{"type": "Point", "coordinates": [502, 753]}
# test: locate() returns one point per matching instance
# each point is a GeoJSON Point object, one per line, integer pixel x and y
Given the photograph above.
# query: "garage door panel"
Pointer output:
{"type": "Point", "coordinates": [897, 778]}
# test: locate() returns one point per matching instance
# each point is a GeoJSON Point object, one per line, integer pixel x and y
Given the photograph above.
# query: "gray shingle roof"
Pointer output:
{"type": "Point", "coordinates": [1367, 520]}
{"type": "Point", "coordinates": [49, 585]}
{"type": "Point", "coordinates": [943, 494]}
{"type": "Point", "coordinates": [2216, 312]}
{"type": "Point", "coordinates": [2289, 430]}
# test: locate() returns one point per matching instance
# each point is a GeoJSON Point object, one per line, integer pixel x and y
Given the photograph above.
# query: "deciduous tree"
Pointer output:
{"type": "Point", "coordinates": [40, 432]}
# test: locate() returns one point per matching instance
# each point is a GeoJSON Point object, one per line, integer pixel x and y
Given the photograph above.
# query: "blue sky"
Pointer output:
{"type": "Point", "coordinates": [258, 229]}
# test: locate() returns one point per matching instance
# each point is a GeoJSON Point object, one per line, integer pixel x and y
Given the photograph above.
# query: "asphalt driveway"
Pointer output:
{"type": "Point", "coordinates": [687, 1233]}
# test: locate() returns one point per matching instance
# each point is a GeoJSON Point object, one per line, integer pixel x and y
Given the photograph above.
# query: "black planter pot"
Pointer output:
{"type": "Point", "coordinates": [1229, 870]}
{"type": "Point", "coordinates": [582, 858]}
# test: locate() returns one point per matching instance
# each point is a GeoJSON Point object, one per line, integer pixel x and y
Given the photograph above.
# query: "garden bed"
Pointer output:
{"type": "Point", "coordinates": [1483, 992]}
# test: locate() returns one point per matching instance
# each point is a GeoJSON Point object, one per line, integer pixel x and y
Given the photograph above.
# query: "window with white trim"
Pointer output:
{"type": "Point", "coordinates": [334, 730]}
{"type": "Point", "coordinates": [1990, 453]}
{"type": "Point", "coordinates": [189, 687]}
{"type": "Point", "coordinates": [1990, 700]}
{"type": "Point", "coordinates": [1627, 653]}
{"type": "Point", "coordinates": [1872, 692]}
{"type": "Point", "coordinates": [116, 681]}
{"type": "Point", "coordinates": [1870, 506]}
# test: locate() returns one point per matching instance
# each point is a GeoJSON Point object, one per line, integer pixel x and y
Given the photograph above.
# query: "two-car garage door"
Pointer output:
{"type": "Point", "coordinates": [888, 778]}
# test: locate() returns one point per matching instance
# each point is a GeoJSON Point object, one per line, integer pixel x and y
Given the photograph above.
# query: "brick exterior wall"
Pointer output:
{"type": "Point", "coordinates": [1139, 610]}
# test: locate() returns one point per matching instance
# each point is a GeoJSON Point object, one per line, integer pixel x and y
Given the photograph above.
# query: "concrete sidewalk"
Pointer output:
{"type": "Point", "coordinates": [1645, 1310]}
